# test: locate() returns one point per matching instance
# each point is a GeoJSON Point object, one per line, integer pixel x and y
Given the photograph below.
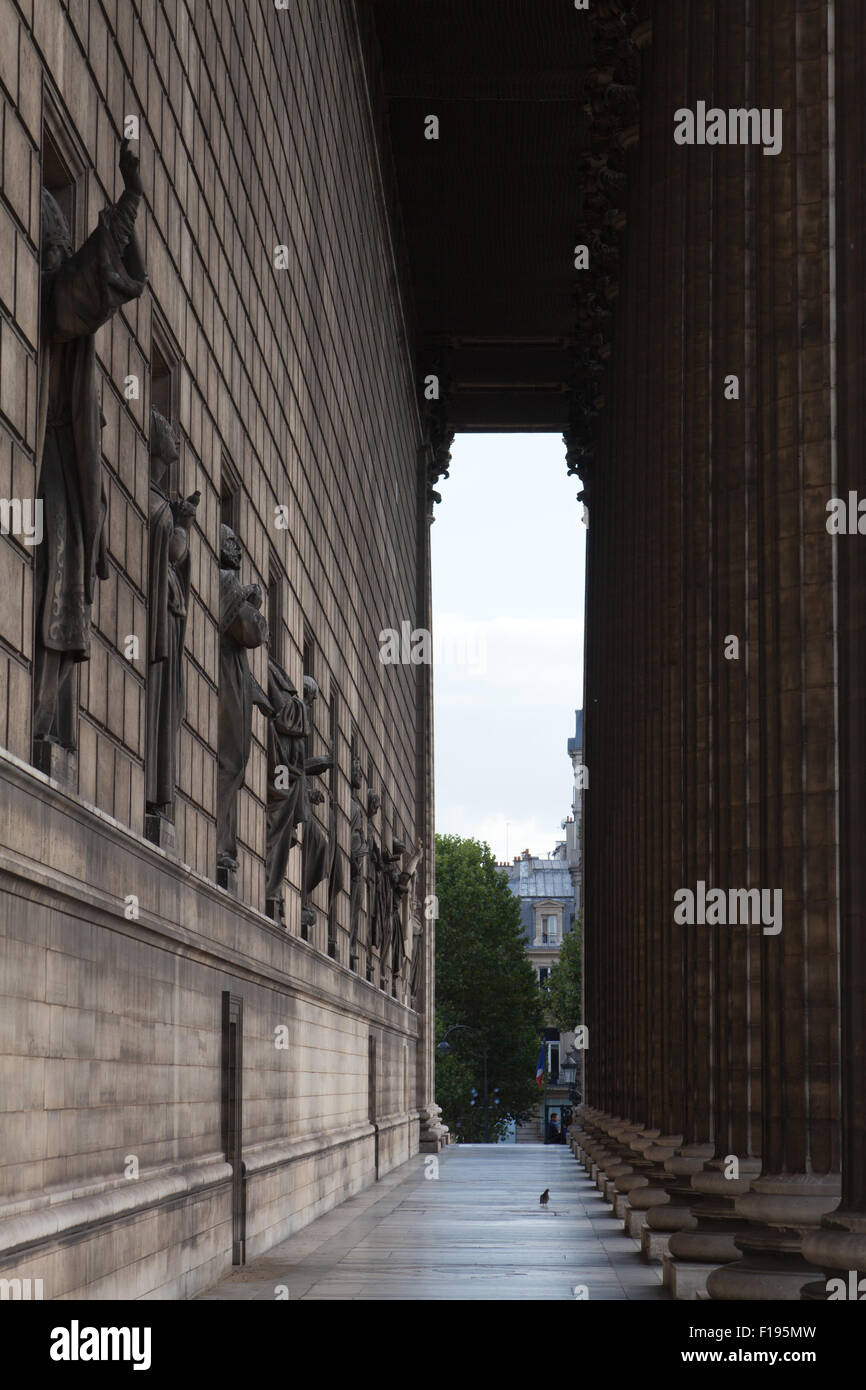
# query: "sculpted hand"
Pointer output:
{"type": "Point", "coordinates": [129, 169]}
{"type": "Point", "coordinates": [254, 595]}
{"type": "Point", "coordinates": [186, 509]}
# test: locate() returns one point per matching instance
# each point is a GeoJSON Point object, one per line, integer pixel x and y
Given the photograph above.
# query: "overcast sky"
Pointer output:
{"type": "Point", "coordinates": [508, 560]}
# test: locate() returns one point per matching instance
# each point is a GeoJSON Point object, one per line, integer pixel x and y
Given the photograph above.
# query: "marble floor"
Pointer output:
{"type": "Point", "coordinates": [476, 1231]}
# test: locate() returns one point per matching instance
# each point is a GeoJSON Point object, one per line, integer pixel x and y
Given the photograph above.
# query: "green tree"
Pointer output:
{"type": "Point", "coordinates": [484, 981]}
{"type": "Point", "coordinates": [562, 991]}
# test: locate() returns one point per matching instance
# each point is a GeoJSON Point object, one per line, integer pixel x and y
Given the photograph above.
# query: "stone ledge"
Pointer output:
{"type": "Point", "coordinates": [265, 958]}
{"type": "Point", "coordinates": [276, 1153]}
{"type": "Point", "coordinates": [68, 1214]}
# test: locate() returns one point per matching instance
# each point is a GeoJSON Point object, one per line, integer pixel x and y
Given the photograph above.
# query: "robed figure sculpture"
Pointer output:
{"type": "Point", "coordinates": [401, 947]}
{"type": "Point", "coordinates": [386, 875]}
{"type": "Point", "coordinates": [168, 592]}
{"type": "Point", "coordinates": [288, 728]}
{"type": "Point", "coordinates": [358, 851]}
{"type": "Point", "coordinates": [80, 292]}
{"type": "Point", "coordinates": [242, 628]}
{"type": "Point", "coordinates": [320, 853]}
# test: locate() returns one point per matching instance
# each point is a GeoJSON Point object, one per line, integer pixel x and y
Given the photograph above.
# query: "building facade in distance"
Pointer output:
{"type": "Point", "coordinates": [546, 894]}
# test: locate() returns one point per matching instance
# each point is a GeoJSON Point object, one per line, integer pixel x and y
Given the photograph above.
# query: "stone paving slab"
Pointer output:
{"type": "Point", "coordinates": [475, 1233]}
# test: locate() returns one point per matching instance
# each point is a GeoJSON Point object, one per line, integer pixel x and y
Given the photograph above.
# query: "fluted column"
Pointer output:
{"type": "Point", "coordinates": [433, 1133]}
{"type": "Point", "coordinates": [800, 1059]}
{"type": "Point", "coordinates": [729, 644]}
{"type": "Point", "coordinates": [840, 1245]}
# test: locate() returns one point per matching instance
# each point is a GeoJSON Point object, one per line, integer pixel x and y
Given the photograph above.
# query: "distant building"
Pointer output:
{"type": "Point", "coordinates": [550, 893]}
{"type": "Point", "coordinates": [546, 892]}
{"type": "Point", "coordinates": [573, 826]}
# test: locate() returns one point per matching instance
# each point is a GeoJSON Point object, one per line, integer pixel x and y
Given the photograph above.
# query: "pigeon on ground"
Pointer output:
{"type": "Point", "coordinates": [545, 1197]}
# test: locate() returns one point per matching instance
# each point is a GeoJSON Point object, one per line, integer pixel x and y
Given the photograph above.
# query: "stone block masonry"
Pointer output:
{"type": "Point", "coordinates": [128, 1096]}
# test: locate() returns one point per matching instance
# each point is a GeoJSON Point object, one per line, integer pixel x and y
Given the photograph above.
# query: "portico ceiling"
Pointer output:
{"type": "Point", "coordinates": [492, 209]}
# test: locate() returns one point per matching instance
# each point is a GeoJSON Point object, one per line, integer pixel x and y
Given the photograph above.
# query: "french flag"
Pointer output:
{"type": "Point", "coordinates": [539, 1070]}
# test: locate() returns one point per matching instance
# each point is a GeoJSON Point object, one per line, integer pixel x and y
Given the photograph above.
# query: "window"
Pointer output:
{"type": "Point", "coordinates": [550, 930]}
{"type": "Point", "coordinates": [161, 393]}
{"type": "Point", "coordinates": [163, 398]}
{"type": "Point", "coordinates": [553, 1062]}
{"type": "Point", "coordinates": [334, 734]}
{"type": "Point", "coordinates": [230, 490]}
{"type": "Point", "coordinates": [546, 928]}
{"type": "Point", "coordinates": [543, 972]}
{"type": "Point", "coordinates": [59, 173]}
{"type": "Point", "coordinates": [275, 610]}
{"type": "Point", "coordinates": [309, 661]}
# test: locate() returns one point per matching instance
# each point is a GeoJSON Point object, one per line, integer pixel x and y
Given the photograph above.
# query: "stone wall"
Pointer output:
{"type": "Point", "coordinates": [290, 388]}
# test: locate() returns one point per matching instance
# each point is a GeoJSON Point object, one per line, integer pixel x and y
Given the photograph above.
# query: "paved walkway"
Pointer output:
{"type": "Point", "coordinates": [475, 1232]}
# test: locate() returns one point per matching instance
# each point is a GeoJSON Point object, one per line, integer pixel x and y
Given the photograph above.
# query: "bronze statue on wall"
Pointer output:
{"type": "Point", "coordinates": [358, 851]}
{"type": "Point", "coordinates": [81, 290]}
{"type": "Point", "coordinates": [168, 592]}
{"type": "Point", "coordinates": [316, 855]}
{"type": "Point", "coordinates": [242, 628]}
{"type": "Point", "coordinates": [288, 728]}
{"type": "Point", "coordinates": [403, 887]}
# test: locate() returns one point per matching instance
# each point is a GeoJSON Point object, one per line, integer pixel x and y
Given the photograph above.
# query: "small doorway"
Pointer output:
{"type": "Point", "coordinates": [231, 1112]}
{"type": "Point", "coordinates": [371, 1099]}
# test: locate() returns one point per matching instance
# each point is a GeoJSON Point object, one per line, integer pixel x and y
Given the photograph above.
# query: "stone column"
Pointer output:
{"type": "Point", "coordinates": [839, 1246]}
{"type": "Point", "coordinates": [795, 678]}
{"type": "Point", "coordinates": [664, 200]}
{"type": "Point", "coordinates": [708, 1239]}
{"type": "Point", "coordinates": [433, 1133]}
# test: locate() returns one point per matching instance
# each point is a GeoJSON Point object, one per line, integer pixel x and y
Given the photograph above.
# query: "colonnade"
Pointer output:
{"type": "Point", "coordinates": [725, 697]}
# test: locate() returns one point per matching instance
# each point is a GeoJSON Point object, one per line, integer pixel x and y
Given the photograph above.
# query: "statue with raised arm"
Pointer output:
{"type": "Point", "coordinates": [168, 591]}
{"type": "Point", "coordinates": [242, 628]}
{"type": "Point", "coordinates": [81, 290]}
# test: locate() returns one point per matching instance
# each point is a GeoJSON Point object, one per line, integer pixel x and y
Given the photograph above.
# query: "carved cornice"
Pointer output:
{"type": "Point", "coordinates": [438, 433]}
{"type": "Point", "coordinates": [612, 109]}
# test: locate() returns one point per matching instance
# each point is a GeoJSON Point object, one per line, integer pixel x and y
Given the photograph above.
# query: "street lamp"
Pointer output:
{"type": "Point", "coordinates": [444, 1047]}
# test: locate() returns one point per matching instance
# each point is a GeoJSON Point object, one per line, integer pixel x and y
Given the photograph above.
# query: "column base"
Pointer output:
{"type": "Point", "coordinates": [434, 1135]}
{"type": "Point", "coordinates": [634, 1223]}
{"type": "Point", "coordinates": [685, 1281]}
{"type": "Point", "coordinates": [781, 1210]}
{"type": "Point", "coordinates": [709, 1240]}
{"type": "Point", "coordinates": [676, 1213]}
{"type": "Point", "coordinates": [653, 1244]}
{"type": "Point", "coordinates": [839, 1249]}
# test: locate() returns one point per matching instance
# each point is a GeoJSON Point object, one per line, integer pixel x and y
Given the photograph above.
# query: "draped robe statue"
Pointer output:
{"type": "Point", "coordinates": [242, 628]}
{"type": "Point", "coordinates": [316, 858]}
{"type": "Point", "coordinates": [168, 581]}
{"type": "Point", "coordinates": [392, 942]}
{"type": "Point", "coordinates": [321, 853]}
{"type": "Point", "coordinates": [386, 876]}
{"type": "Point", "coordinates": [374, 864]}
{"type": "Point", "coordinates": [80, 292]}
{"type": "Point", "coordinates": [403, 885]}
{"type": "Point", "coordinates": [358, 851]}
{"type": "Point", "coordinates": [287, 734]}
